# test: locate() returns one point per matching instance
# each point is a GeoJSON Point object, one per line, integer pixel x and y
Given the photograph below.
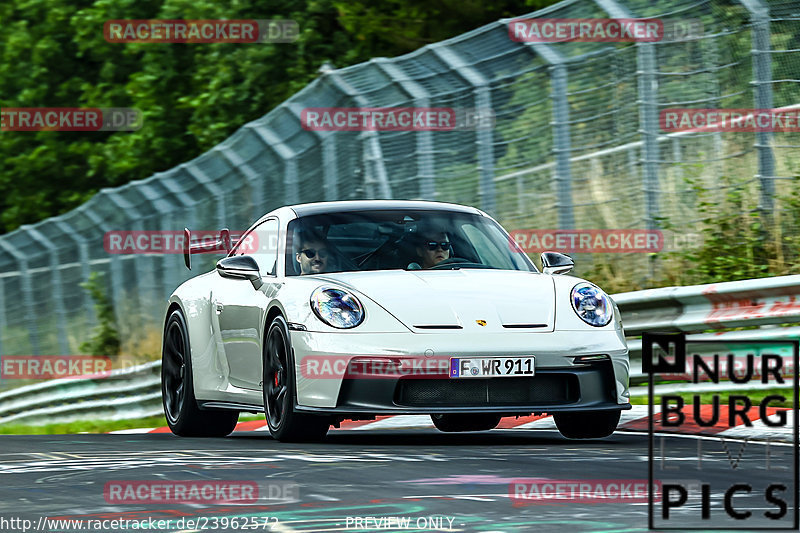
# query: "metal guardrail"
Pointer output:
{"type": "Point", "coordinates": [714, 306]}
{"type": "Point", "coordinates": [124, 394]}
{"type": "Point", "coordinates": [136, 392]}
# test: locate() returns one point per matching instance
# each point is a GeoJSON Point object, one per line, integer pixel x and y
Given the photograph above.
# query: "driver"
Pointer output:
{"type": "Point", "coordinates": [312, 254]}
{"type": "Point", "coordinates": [433, 247]}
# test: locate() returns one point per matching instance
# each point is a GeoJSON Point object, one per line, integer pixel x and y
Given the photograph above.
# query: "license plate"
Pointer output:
{"type": "Point", "coordinates": [490, 367]}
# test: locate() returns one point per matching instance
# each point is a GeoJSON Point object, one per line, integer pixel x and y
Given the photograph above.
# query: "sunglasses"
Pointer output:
{"type": "Point", "coordinates": [433, 245]}
{"type": "Point", "coordinates": [310, 253]}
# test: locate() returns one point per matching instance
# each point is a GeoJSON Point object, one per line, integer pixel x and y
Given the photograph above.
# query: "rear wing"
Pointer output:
{"type": "Point", "coordinates": [204, 245]}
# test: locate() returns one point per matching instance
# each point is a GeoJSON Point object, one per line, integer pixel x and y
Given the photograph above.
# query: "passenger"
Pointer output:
{"type": "Point", "coordinates": [313, 254]}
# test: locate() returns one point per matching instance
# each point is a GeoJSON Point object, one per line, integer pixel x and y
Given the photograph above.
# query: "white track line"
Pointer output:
{"type": "Point", "coordinates": [397, 422]}
{"type": "Point", "coordinates": [542, 423]}
{"type": "Point", "coordinates": [760, 430]}
{"type": "Point", "coordinates": [638, 412]}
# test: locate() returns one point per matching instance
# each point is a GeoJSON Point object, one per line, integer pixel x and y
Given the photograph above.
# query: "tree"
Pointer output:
{"type": "Point", "coordinates": [193, 96]}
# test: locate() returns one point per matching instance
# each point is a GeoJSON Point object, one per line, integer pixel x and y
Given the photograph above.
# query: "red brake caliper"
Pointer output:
{"type": "Point", "coordinates": [276, 379]}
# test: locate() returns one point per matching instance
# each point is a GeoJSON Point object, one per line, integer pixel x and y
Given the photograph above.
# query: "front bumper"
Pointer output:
{"type": "Point", "coordinates": [559, 384]}
{"type": "Point", "coordinates": [588, 388]}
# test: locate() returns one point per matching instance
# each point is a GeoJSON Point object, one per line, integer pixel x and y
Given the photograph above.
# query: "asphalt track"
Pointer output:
{"type": "Point", "coordinates": [420, 474]}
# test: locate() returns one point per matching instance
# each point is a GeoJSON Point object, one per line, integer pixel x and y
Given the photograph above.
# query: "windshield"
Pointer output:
{"type": "Point", "coordinates": [398, 239]}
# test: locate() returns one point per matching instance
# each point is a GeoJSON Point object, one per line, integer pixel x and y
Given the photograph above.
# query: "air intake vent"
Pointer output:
{"type": "Point", "coordinates": [544, 389]}
{"type": "Point", "coordinates": [438, 326]}
{"type": "Point", "coordinates": [524, 326]}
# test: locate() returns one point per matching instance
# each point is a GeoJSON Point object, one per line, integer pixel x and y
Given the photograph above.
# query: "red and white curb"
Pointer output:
{"type": "Point", "coordinates": [633, 420]}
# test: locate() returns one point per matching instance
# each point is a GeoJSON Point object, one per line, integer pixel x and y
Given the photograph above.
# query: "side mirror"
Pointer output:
{"type": "Point", "coordinates": [240, 267]}
{"type": "Point", "coordinates": [556, 263]}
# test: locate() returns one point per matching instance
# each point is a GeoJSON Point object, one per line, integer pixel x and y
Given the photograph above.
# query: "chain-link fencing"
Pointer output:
{"type": "Point", "coordinates": [576, 144]}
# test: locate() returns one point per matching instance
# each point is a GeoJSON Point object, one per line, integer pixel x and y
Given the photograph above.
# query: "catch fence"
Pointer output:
{"type": "Point", "coordinates": [576, 144]}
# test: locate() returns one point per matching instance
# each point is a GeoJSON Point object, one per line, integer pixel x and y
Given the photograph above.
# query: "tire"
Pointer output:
{"type": "Point", "coordinates": [465, 422]}
{"type": "Point", "coordinates": [278, 390]}
{"type": "Point", "coordinates": [587, 425]}
{"type": "Point", "coordinates": [184, 417]}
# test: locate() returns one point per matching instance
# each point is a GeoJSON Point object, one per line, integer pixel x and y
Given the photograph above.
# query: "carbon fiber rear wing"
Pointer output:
{"type": "Point", "coordinates": [221, 243]}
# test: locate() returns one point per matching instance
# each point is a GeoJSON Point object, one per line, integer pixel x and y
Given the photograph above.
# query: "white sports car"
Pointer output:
{"type": "Point", "coordinates": [346, 310]}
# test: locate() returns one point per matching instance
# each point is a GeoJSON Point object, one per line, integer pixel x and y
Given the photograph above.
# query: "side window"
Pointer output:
{"type": "Point", "coordinates": [262, 245]}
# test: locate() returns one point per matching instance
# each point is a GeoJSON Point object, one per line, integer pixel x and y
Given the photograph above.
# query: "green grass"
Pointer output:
{"type": "Point", "coordinates": [95, 426]}
{"type": "Point", "coordinates": [756, 396]}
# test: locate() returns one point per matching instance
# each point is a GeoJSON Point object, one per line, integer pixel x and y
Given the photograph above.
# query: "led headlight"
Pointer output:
{"type": "Point", "coordinates": [591, 304]}
{"type": "Point", "coordinates": [337, 308]}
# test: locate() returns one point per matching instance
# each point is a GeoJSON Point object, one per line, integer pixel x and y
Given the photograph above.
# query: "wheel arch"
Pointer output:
{"type": "Point", "coordinates": [273, 311]}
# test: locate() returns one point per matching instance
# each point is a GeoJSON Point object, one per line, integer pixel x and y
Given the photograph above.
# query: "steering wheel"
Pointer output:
{"type": "Point", "coordinates": [449, 261]}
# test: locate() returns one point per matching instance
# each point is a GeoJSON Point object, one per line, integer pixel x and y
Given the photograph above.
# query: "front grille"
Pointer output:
{"type": "Point", "coordinates": [544, 389]}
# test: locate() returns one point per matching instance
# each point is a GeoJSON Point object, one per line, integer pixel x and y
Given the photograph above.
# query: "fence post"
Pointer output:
{"type": "Point", "coordinates": [562, 172]}
{"type": "Point", "coordinates": [485, 136]}
{"type": "Point", "coordinates": [327, 140]}
{"type": "Point", "coordinates": [27, 295]}
{"type": "Point", "coordinates": [677, 157]}
{"type": "Point", "coordinates": [330, 171]}
{"type": "Point", "coordinates": [373, 154]}
{"type": "Point", "coordinates": [561, 147]}
{"type": "Point", "coordinates": [289, 161]}
{"type": "Point", "coordinates": [166, 277]}
{"type": "Point", "coordinates": [762, 79]}
{"type": "Point", "coordinates": [215, 190]}
{"type": "Point", "coordinates": [253, 179]}
{"type": "Point", "coordinates": [3, 324]}
{"type": "Point", "coordinates": [189, 220]}
{"type": "Point", "coordinates": [115, 277]}
{"type": "Point", "coordinates": [83, 254]}
{"type": "Point", "coordinates": [57, 287]}
{"type": "Point", "coordinates": [648, 116]}
{"type": "Point", "coordinates": [142, 265]}
{"type": "Point", "coordinates": [424, 138]}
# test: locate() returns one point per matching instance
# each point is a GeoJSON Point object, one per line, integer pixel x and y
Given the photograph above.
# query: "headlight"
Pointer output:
{"type": "Point", "coordinates": [337, 308]}
{"type": "Point", "coordinates": [591, 304]}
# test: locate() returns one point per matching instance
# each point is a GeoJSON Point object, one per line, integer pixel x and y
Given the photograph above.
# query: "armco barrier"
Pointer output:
{"type": "Point", "coordinates": [136, 392]}
{"type": "Point", "coordinates": [715, 306]}
{"type": "Point", "coordinates": [127, 393]}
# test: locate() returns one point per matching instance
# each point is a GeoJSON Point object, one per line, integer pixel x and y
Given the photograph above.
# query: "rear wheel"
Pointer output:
{"type": "Point", "coordinates": [587, 425]}
{"type": "Point", "coordinates": [177, 388]}
{"type": "Point", "coordinates": [278, 388]}
{"type": "Point", "coordinates": [465, 422]}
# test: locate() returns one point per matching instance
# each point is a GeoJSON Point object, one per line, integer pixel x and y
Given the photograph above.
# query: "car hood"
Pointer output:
{"type": "Point", "coordinates": [437, 300]}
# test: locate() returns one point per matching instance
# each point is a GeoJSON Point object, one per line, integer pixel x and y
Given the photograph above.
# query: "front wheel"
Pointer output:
{"type": "Point", "coordinates": [465, 422]}
{"type": "Point", "coordinates": [278, 389]}
{"type": "Point", "coordinates": [587, 425]}
{"type": "Point", "coordinates": [183, 416]}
